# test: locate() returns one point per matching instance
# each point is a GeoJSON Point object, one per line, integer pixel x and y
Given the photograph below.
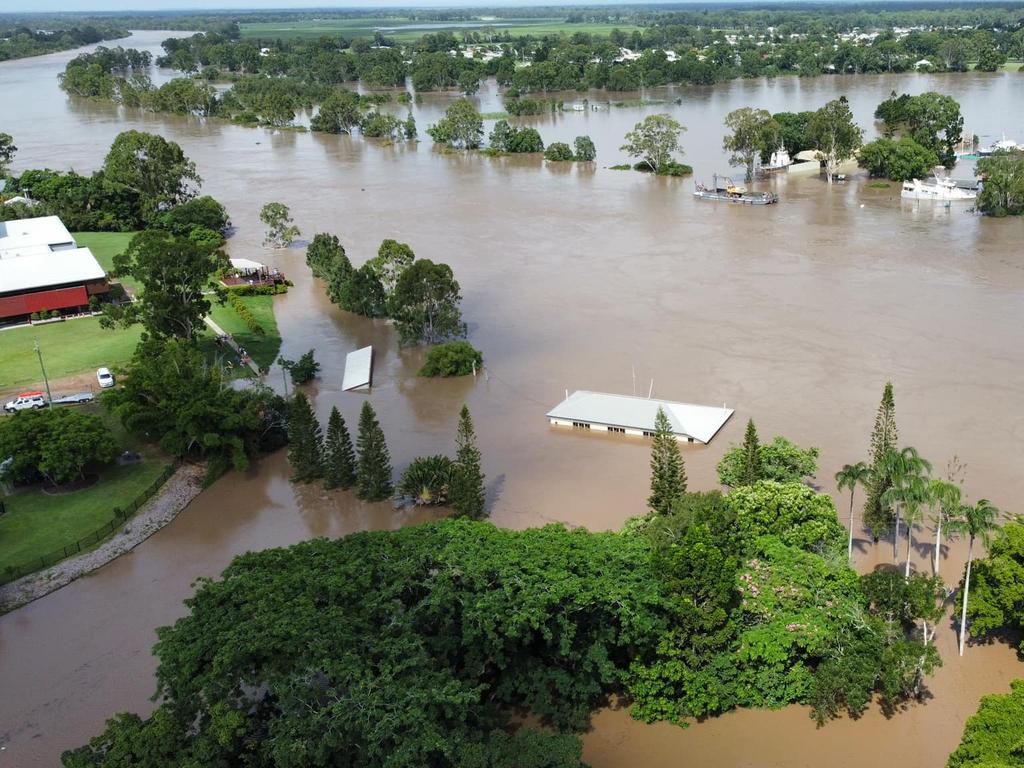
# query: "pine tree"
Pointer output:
{"type": "Point", "coordinates": [467, 493]}
{"type": "Point", "coordinates": [751, 455]}
{"type": "Point", "coordinates": [877, 515]}
{"type": "Point", "coordinates": [305, 441]}
{"type": "Point", "coordinates": [668, 472]}
{"type": "Point", "coordinates": [374, 473]}
{"type": "Point", "coordinates": [339, 458]}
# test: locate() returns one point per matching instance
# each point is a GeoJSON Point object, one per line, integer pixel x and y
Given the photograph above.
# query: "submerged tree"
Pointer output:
{"type": "Point", "coordinates": [374, 473]}
{"type": "Point", "coordinates": [467, 493]}
{"type": "Point", "coordinates": [907, 493]}
{"type": "Point", "coordinates": [668, 471]}
{"type": "Point", "coordinates": [654, 141]}
{"type": "Point", "coordinates": [305, 441]}
{"type": "Point", "coordinates": [339, 459]}
{"type": "Point", "coordinates": [877, 516]}
{"type": "Point", "coordinates": [281, 232]}
{"type": "Point", "coordinates": [834, 134]}
{"type": "Point", "coordinates": [753, 133]}
{"type": "Point", "coordinates": [978, 522]}
{"type": "Point", "coordinates": [850, 476]}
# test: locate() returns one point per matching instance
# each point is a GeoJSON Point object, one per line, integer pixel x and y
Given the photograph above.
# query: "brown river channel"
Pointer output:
{"type": "Point", "coordinates": [794, 314]}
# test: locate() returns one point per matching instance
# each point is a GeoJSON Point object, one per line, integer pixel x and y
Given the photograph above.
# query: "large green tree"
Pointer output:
{"type": "Point", "coordinates": [1002, 188]}
{"type": "Point", "coordinates": [176, 279]}
{"type": "Point", "coordinates": [884, 436]}
{"type": "Point", "coordinates": [931, 119]}
{"type": "Point", "coordinates": [339, 457]}
{"type": "Point", "coordinates": [425, 303]}
{"type": "Point", "coordinates": [997, 597]}
{"type": "Point", "coordinates": [668, 470]}
{"type": "Point", "coordinates": [834, 134]}
{"type": "Point", "coordinates": [781, 460]}
{"type": "Point", "coordinates": [305, 441]}
{"type": "Point", "coordinates": [7, 150]}
{"type": "Point", "coordinates": [461, 127]}
{"type": "Point", "coordinates": [171, 393]}
{"type": "Point", "coordinates": [153, 169]}
{"type": "Point", "coordinates": [55, 444]}
{"type": "Point", "coordinates": [468, 496]}
{"type": "Point", "coordinates": [752, 133]}
{"type": "Point", "coordinates": [374, 464]}
{"type": "Point", "coordinates": [897, 160]}
{"type": "Point", "coordinates": [392, 259]}
{"type": "Point", "coordinates": [992, 737]}
{"type": "Point", "coordinates": [654, 141]}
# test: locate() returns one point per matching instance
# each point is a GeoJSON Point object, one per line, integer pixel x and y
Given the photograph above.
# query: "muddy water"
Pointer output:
{"type": "Point", "coordinates": [795, 315]}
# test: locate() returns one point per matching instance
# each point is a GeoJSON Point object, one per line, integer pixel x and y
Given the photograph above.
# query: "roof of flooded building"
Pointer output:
{"type": "Point", "coordinates": [701, 422]}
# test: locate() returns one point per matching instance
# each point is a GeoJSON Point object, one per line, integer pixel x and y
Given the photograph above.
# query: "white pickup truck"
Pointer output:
{"type": "Point", "coordinates": [25, 401]}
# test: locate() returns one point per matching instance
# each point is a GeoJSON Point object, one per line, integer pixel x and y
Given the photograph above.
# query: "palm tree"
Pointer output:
{"type": "Point", "coordinates": [906, 470]}
{"type": "Point", "coordinates": [945, 498]}
{"type": "Point", "coordinates": [849, 477]}
{"type": "Point", "coordinates": [978, 522]}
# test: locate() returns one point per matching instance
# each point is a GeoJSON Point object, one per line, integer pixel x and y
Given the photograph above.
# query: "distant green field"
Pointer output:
{"type": "Point", "coordinates": [407, 30]}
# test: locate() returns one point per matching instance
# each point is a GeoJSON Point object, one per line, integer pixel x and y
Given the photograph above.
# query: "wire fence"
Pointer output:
{"type": "Point", "coordinates": [121, 515]}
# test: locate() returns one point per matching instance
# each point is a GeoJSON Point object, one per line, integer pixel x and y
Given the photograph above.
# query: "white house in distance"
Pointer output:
{"type": "Point", "coordinates": [631, 415]}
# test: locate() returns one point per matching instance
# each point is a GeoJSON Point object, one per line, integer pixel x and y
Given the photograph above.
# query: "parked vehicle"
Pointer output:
{"type": "Point", "coordinates": [25, 401]}
{"type": "Point", "coordinates": [75, 399]}
{"type": "Point", "coordinates": [105, 378]}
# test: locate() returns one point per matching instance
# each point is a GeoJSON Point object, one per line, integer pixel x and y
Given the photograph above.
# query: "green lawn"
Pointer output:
{"type": "Point", "coordinates": [105, 246]}
{"type": "Point", "coordinates": [262, 348]}
{"type": "Point", "coordinates": [409, 30]}
{"type": "Point", "coordinates": [37, 524]}
{"type": "Point", "coordinates": [69, 347]}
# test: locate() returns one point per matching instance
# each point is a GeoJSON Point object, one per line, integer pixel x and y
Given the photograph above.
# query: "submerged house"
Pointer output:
{"type": "Point", "coordinates": [42, 269]}
{"type": "Point", "coordinates": [631, 415]}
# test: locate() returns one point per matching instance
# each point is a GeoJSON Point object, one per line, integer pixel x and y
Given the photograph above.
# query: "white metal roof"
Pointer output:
{"type": "Point", "coordinates": [43, 230]}
{"type": "Point", "coordinates": [49, 268]}
{"type": "Point", "coordinates": [358, 369]}
{"type": "Point", "coordinates": [246, 264]}
{"type": "Point", "coordinates": [701, 422]}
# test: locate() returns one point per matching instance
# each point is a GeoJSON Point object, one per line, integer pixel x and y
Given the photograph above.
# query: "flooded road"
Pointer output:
{"type": "Point", "coordinates": [795, 315]}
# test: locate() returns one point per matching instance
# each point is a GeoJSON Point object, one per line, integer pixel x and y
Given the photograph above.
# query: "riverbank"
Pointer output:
{"type": "Point", "coordinates": [173, 497]}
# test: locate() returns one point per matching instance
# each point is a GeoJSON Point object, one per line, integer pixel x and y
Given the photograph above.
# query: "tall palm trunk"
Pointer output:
{"type": "Point", "coordinates": [967, 588]}
{"type": "Point", "coordinates": [849, 546]}
{"type": "Point", "coordinates": [896, 535]}
{"type": "Point", "coordinates": [910, 543]}
{"type": "Point", "coordinates": [938, 542]}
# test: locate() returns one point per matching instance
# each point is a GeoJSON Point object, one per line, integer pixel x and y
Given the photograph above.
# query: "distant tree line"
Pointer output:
{"type": "Point", "coordinates": [19, 40]}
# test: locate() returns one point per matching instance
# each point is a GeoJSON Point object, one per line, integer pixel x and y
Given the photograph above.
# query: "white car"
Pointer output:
{"type": "Point", "coordinates": [105, 378]}
{"type": "Point", "coordinates": [25, 401]}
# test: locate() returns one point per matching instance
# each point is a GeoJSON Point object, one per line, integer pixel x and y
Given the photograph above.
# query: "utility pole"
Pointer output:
{"type": "Point", "coordinates": [46, 381]}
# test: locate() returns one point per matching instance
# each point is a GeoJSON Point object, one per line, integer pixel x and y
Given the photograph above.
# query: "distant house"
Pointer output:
{"type": "Point", "coordinates": [631, 415]}
{"type": "Point", "coordinates": [43, 269]}
{"type": "Point", "coordinates": [922, 64]}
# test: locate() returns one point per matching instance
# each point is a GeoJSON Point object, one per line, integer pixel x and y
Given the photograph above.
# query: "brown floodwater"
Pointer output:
{"type": "Point", "coordinates": [573, 277]}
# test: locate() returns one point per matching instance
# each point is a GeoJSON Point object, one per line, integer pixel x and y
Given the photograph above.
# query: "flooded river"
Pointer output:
{"type": "Point", "coordinates": [795, 315]}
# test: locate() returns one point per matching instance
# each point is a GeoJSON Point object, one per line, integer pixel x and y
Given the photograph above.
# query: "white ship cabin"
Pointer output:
{"type": "Point", "coordinates": [631, 415]}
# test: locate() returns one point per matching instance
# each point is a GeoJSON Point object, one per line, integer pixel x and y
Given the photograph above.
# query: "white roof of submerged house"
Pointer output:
{"type": "Point", "coordinates": [701, 422]}
{"type": "Point", "coordinates": [358, 369]}
{"type": "Point", "coordinates": [19, 234]}
{"type": "Point", "coordinates": [42, 269]}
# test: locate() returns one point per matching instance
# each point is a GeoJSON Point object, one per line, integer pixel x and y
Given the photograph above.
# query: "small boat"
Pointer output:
{"type": "Point", "coordinates": [733, 193]}
{"type": "Point", "coordinates": [937, 189]}
{"type": "Point", "coordinates": [1002, 144]}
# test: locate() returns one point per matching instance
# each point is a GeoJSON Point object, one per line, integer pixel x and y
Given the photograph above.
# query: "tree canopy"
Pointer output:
{"type": "Point", "coordinates": [654, 141]}
{"type": "Point", "coordinates": [153, 169]}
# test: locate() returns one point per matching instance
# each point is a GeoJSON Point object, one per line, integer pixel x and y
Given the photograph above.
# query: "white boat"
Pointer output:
{"type": "Point", "coordinates": [780, 161]}
{"type": "Point", "coordinates": [938, 189]}
{"type": "Point", "coordinates": [1004, 143]}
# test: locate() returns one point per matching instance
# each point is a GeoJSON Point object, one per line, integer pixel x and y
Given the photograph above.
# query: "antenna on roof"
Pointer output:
{"type": "Point", "coordinates": [651, 390]}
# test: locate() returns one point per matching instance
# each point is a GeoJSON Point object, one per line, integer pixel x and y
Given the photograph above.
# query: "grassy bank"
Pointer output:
{"type": "Point", "coordinates": [263, 348]}
{"type": "Point", "coordinates": [37, 523]}
{"type": "Point", "coordinates": [105, 246]}
{"type": "Point", "coordinates": [68, 348]}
